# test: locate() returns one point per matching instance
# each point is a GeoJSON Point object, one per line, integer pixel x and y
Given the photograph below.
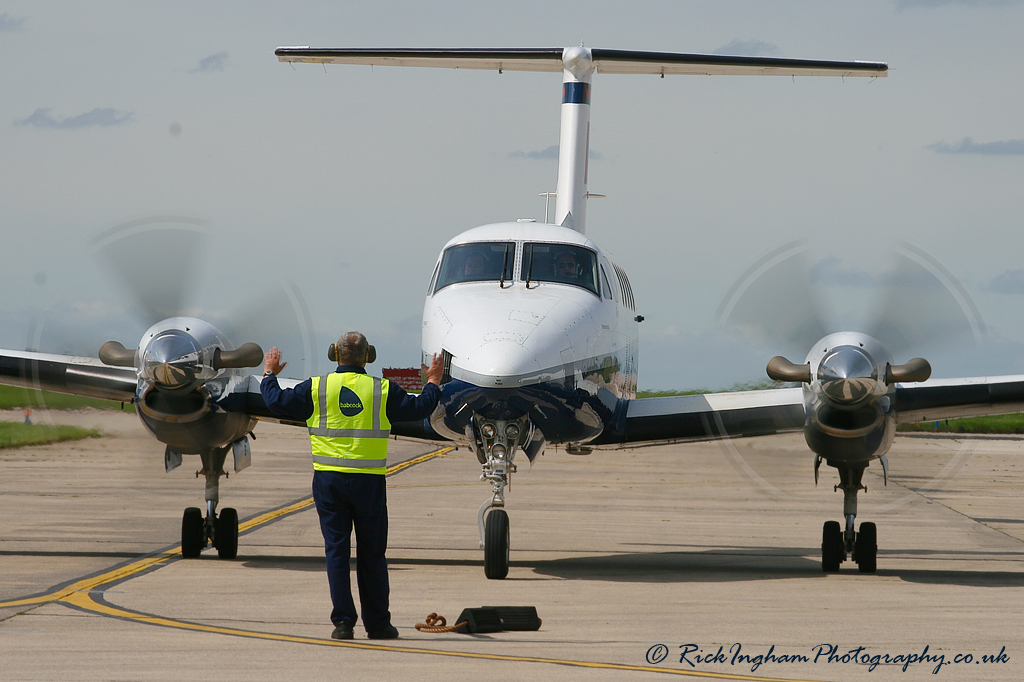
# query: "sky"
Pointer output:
{"type": "Point", "coordinates": [324, 194]}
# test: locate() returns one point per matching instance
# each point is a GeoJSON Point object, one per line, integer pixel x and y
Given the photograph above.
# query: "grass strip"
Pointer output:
{"type": "Point", "coordinates": [1000, 423]}
{"type": "Point", "coordinates": [16, 397]}
{"type": "Point", "coordinates": [18, 434]}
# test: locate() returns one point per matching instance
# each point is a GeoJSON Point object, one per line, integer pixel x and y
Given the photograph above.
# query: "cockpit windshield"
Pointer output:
{"type": "Point", "coordinates": [562, 263]}
{"type": "Point", "coordinates": [477, 262]}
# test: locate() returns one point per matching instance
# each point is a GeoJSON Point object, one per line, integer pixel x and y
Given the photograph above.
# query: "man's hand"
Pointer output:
{"type": "Point", "coordinates": [433, 373]}
{"type": "Point", "coordinates": [272, 361]}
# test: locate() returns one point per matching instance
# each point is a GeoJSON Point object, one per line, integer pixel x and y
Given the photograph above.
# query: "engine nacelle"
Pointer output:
{"type": "Point", "coordinates": [849, 386]}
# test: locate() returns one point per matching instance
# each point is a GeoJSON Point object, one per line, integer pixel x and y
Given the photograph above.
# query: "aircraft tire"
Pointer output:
{"type": "Point", "coordinates": [831, 547]}
{"type": "Point", "coordinates": [227, 534]}
{"type": "Point", "coordinates": [865, 551]}
{"type": "Point", "coordinates": [496, 544]}
{"type": "Point", "coordinates": [193, 533]}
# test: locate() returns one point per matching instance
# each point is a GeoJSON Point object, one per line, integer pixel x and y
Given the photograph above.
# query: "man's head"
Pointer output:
{"type": "Point", "coordinates": [565, 264]}
{"type": "Point", "coordinates": [476, 264]}
{"type": "Point", "coordinates": [352, 349]}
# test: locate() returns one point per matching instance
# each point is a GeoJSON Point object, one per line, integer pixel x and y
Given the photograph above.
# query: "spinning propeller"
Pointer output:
{"type": "Point", "coordinates": [158, 262]}
{"type": "Point", "coordinates": [918, 305]}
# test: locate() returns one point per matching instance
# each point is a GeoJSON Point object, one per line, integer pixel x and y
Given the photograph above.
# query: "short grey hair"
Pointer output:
{"type": "Point", "coordinates": [352, 348]}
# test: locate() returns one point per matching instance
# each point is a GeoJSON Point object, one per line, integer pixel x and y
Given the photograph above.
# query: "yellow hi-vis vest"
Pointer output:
{"type": "Point", "coordinates": [349, 427]}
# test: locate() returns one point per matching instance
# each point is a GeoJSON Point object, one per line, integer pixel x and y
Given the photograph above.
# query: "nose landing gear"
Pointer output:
{"type": "Point", "coordinates": [219, 530]}
{"type": "Point", "coordinates": [496, 442]}
{"type": "Point", "coordinates": [837, 545]}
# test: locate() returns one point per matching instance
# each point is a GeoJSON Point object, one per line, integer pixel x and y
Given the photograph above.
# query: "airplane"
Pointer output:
{"type": "Point", "coordinates": [538, 328]}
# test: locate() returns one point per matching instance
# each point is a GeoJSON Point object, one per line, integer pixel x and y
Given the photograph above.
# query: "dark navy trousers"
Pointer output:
{"type": "Point", "coordinates": [345, 500]}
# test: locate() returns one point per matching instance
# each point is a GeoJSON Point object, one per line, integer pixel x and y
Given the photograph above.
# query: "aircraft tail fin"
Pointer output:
{"type": "Point", "coordinates": [578, 65]}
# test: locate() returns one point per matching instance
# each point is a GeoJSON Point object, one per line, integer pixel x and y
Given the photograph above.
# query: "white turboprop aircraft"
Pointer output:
{"type": "Point", "coordinates": [538, 328]}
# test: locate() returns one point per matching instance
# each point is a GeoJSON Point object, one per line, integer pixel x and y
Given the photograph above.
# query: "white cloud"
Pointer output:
{"type": "Point", "coordinates": [104, 118]}
{"type": "Point", "coordinates": [969, 146]}
{"type": "Point", "coordinates": [9, 24]}
{"type": "Point", "coordinates": [215, 62]}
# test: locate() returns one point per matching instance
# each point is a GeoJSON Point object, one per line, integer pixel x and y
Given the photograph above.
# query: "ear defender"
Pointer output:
{"type": "Point", "coordinates": [332, 353]}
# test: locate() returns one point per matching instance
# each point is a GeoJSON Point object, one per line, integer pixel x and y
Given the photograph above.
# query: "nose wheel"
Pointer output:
{"type": "Point", "coordinates": [496, 544]}
{"type": "Point", "coordinates": [837, 545]}
{"type": "Point", "coordinates": [193, 533]}
{"type": "Point", "coordinates": [497, 441]}
{"type": "Point", "coordinates": [221, 531]}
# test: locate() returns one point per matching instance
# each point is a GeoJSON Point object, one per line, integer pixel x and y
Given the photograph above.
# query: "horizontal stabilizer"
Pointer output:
{"type": "Point", "coordinates": [605, 61]}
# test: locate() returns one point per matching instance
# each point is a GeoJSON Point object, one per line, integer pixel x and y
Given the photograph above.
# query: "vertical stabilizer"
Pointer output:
{"type": "Point", "coordinates": [574, 139]}
{"type": "Point", "coordinates": [578, 65]}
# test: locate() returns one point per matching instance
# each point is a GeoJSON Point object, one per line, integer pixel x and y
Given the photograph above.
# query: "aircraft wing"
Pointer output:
{"type": "Point", "coordinates": [758, 413]}
{"type": "Point", "coordinates": [67, 374]}
{"type": "Point", "coordinates": [951, 398]}
{"type": "Point", "coordinates": [712, 415]}
{"type": "Point", "coordinates": [605, 61]}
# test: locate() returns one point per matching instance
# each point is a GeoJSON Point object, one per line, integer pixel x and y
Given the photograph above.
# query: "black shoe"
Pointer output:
{"type": "Point", "coordinates": [390, 632]}
{"type": "Point", "coordinates": [343, 631]}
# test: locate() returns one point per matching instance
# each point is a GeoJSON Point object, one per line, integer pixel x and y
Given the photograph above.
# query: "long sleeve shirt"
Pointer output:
{"type": "Point", "coordinates": [297, 403]}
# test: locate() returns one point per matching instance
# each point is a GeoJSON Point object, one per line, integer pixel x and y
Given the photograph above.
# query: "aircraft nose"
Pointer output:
{"type": "Point", "coordinates": [498, 363]}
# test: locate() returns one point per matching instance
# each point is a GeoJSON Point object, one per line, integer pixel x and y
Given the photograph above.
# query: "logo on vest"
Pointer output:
{"type": "Point", "coordinates": [349, 402]}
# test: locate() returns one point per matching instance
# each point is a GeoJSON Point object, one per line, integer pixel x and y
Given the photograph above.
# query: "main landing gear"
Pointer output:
{"type": "Point", "coordinates": [220, 530]}
{"type": "Point", "coordinates": [837, 544]}
{"type": "Point", "coordinates": [497, 441]}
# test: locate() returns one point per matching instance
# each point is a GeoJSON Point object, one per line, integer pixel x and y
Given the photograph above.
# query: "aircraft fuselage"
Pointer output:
{"type": "Point", "coordinates": [534, 319]}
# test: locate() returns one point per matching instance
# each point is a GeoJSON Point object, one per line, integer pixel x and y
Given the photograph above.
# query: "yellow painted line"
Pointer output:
{"type": "Point", "coordinates": [87, 602]}
{"type": "Point", "coordinates": [151, 561]}
{"type": "Point", "coordinates": [80, 594]}
{"type": "Point", "coordinates": [416, 460]}
{"type": "Point", "coordinates": [86, 584]}
{"type": "Point", "coordinates": [266, 518]}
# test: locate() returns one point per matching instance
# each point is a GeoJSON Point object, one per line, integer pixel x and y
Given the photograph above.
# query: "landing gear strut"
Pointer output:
{"type": "Point", "coordinates": [497, 441]}
{"type": "Point", "coordinates": [219, 530]}
{"type": "Point", "coordinates": [836, 544]}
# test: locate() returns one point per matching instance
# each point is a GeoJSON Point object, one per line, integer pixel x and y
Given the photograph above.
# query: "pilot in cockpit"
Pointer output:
{"type": "Point", "coordinates": [566, 267]}
{"type": "Point", "coordinates": [476, 265]}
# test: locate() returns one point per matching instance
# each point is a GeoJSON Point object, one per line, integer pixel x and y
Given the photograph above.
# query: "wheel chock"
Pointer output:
{"type": "Point", "coordinates": [522, 618]}
{"type": "Point", "coordinates": [480, 620]}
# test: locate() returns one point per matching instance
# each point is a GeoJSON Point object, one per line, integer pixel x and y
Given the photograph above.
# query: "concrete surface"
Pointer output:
{"type": "Point", "coordinates": [715, 545]}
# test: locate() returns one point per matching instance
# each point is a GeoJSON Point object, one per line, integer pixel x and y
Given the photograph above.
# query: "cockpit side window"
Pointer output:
{"type": "Point", "coordinates": [562, 263]}
{"type": "Point", "coordinates": [605, 287]}
{"type": "Point", "coordinates": [433, 279]}
{"type": "Point", "coordinates": [477, 262]}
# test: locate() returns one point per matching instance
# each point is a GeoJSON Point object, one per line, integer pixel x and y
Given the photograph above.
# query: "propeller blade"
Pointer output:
{"type": "Point", "coordinates": [781, 369]}
{"type": "Point", "coordinates": [115, 354]}
{"type": "Point", "coordinates": [155, 259]}
{"type": "Point", "coordinates": [277, 317]}
{"type": "Point", "coordinates": [918, 305]}
{"type": "Point", "coordinates": [914, 370]}
{"type": "Point", "coordinates": [774, 302]}
{"type": "Point", "coordinates": [246, 355]}
{"type": "Point", "coordinates": [921, 305]}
